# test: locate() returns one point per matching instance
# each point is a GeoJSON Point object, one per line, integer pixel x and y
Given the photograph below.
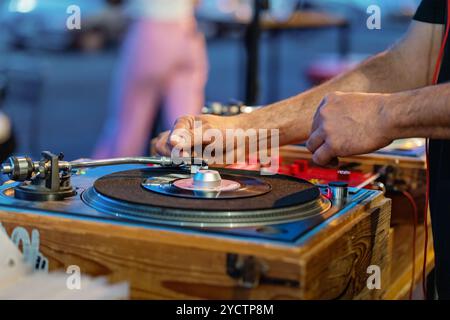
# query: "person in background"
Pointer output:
{"type": "Point", "coordinates": [7, 139]}
{"type": "Point", "coordinates": [163, 62]}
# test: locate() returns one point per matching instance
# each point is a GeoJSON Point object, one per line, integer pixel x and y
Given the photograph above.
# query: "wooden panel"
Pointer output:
{"type": "Point", "coordinates": [293, 152]}
{"type": "Point", "coordinates": [339, 269]}
{"type": "Point", "coordinates": [154, 269]}
{"type": "Point", "coordinates": [180, 265]}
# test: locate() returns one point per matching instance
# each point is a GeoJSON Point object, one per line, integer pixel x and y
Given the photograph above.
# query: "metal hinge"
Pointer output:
{"type": "Point", "coordinates": [250, 272]}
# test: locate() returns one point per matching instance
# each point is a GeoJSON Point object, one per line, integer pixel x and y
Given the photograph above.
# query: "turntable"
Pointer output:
{"type": "Point", "coordinates": [178, 229]}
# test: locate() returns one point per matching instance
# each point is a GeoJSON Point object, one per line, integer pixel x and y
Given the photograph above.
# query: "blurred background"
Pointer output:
{"type": "Point", "coordinates": [80, 91]}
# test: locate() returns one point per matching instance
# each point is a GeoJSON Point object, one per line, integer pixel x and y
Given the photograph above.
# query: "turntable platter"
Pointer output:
{"type": "Point", "coordinates": [282, 199]}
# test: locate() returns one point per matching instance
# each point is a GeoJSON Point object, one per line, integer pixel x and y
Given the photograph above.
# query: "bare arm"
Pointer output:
{"type": "Point", "coordinates": [405, 66]}
{"type": "Point", "coordinates": [420, 113]}
{"type": "Point", "coordinates": [356, 123]}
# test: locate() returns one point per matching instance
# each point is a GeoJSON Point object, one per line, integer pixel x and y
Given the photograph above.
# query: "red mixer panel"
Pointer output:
{"type": "Point", "coordinates": [318, 175]}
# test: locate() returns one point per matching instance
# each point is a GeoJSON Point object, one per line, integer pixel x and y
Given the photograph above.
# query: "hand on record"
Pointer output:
{"type": "Point", "coordinates": [191, 132]}
{"type": "Point", "coordinates": [348, 124]}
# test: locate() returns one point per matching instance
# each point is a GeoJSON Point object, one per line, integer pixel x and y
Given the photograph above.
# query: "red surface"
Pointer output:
{"type": "Point", "coordinates": [318, 175]}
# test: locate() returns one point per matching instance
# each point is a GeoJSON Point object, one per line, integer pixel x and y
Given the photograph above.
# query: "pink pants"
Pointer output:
{"type": "Point", "coordinates": [162, 64]}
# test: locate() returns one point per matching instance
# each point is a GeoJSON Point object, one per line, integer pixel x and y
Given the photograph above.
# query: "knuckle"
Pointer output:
{"type": "Point", "coordinates": [333, 146]}
{"type": "Point", "coordinates": [177, 121]}
{"type": "Point", "coordinates": [318, 159]}
{"type": "Point", "coordinates": [308, 144]}
{"type": "Point", "coordinates": [322, 112]}
{"type": "Point", "coordinates": [183, 120]}
{"type": "Point", "coordinates": [335, 97]}
{"type": "Point", "coordinates": [327, 129]}
{"type": "Point", "coordinates": [331, 96]}
{"type": "Point", "coordinates": [160, 145]}
{"type": "Point", "coordinates": [207, 125]}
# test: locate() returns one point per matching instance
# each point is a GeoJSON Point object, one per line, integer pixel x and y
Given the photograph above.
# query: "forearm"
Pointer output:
{"type": "Point", "coordinates": [419, 113]}
{"type": "Point", "coordinates": [384, 73]}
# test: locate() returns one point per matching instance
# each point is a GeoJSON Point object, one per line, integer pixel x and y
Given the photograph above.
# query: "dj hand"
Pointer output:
{"type": "Point", "coordinates": [182, 134]}
{"type": "Point", "coordinates": [348, 124]}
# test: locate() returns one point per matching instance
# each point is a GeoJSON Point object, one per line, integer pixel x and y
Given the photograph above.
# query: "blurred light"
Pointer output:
{"type": "Point", "coordinates": [241, 9]}
{"type": "Point", "coordinates": [226, 6]}
{"type": "Point", "coordinates": [247, 109]}
{"type": "Point", "coordinates": [282, 10]}
{"type": "Point", "coordinates": [244, 12]}
{"type": "Point", "coordinates": [22, 6]}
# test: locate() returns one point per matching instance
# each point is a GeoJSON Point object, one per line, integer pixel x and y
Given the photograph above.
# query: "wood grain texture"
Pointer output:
{"type": "Point", "coordinates": [295, 152]}
{"type": "Point", "coordinates": [337, 268]}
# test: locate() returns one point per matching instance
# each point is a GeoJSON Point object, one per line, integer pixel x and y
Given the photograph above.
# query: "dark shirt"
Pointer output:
{"type": "Point", "coordinates": [435, 11]}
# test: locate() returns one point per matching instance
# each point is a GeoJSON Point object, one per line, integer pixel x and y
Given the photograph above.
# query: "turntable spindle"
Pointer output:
{"type": "Point", "coordinates": [207, 179]}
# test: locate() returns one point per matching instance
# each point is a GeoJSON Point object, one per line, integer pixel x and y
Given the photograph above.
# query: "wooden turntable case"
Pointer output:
{"type": "Point", "coordinates": [329, 262]}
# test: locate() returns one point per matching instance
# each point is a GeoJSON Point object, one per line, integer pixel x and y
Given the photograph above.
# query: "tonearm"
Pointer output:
{"type": "Point", "coordinates": [49, 178]}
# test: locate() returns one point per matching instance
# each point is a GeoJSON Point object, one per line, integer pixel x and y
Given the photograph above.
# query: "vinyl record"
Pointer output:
{"type": "Point", "coordinates": [233, 186]}
{"type": "Point", "coordinates": [284, 199]}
